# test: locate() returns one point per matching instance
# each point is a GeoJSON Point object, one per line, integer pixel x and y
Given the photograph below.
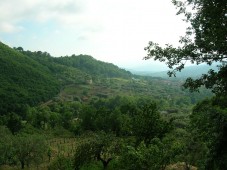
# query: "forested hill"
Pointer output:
{"type": "Point", "coordinates": [93, 67]}
{"type": "Point", "coordinates": [82, 63]}
{"type": "Point", "coordinates": [23, 81]}
{"type": "Point", "coordinates": [28, 78]}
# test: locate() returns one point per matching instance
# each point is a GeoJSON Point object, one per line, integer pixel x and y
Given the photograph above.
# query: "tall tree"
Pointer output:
{"type": "Point", "coordinates": [209, 126]}
{"type": "Point", "coordinates": [29, 148]}
{"type": "Point", "coordinates": [6, 151]}
{"type": "Point", "coordinates": [148, 124]}
{"type": "Point", "coordinates": [96, 146]}
{"type": "Point", "coordinates": [14, 123]}
{"type": "Point", "coordinates": [205, 42]}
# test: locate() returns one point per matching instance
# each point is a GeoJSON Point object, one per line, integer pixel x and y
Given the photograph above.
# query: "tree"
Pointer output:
{"type": "Point", "coordinates": [194, 151]}
{"type": "Point", "coordinates": [205, 42]}
{"type": "Point", "coordinates": [19, 49]}
{"type": "Point", "coordinates": [6, 151]}
{"type": "Point", "coordinates": [14, 122]}
{"type": "Point", "coordinates": [155, 156]}
{"type": "Point", "coordinates": [96, 146]}
{"type": "Point", "coordinates": [148, 124]}
{"type": "Point", "coordinates": [88, 117]}
{"type": "Point", "coordinates": [29, 148]}
{"type": "Point", "coordinates": [61, 163]}
{"type": "Point", "coordinates": [209, 126]}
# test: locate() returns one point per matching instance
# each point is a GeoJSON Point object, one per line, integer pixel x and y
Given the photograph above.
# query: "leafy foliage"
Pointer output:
{"type": "Point", "coordinates": [208, 123]}
{"type": "Point", "coordinates": [6, 150]}
{"type": "Point", "coordinates": [61, 163]}
{"type": "Point", "coordinates": [99, 146]}
{"type": "Point", "coordinates": [29, 148]}
{"type": "Point", "coordinates": [155, 156]}
{"type": "Point", "coordinates": [204, 42]}
{"type": "Point", "coordinates": [24, 148]}
{"type": "Point", "coordinates": [148, 124]}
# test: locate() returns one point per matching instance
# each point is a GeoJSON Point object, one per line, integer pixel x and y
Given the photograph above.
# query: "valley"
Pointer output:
{"type": "Point", "coordinates": [65, 104]}
{"type": "Point", "coordinates": [88, 114]}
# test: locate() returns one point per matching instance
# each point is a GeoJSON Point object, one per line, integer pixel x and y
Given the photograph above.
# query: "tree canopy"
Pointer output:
{"type": "Point", "coordinates": [205, 42]}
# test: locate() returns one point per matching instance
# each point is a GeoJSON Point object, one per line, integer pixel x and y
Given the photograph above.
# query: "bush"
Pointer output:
{"type": "Point", "coordinates": [61, 163]}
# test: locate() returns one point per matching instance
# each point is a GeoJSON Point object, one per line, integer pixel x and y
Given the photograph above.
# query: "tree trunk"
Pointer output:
{"type": "Point", "coordinates": [187, 166]}
{"type": "Point", "coordinates": [104, 162]}
{"type": "Point", "coordinates": [22, 164]}
{"type": "Point", "coordinates": [104, 165]}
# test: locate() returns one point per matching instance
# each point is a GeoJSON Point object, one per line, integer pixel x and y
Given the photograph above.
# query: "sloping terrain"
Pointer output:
{"type": "Point", "coordinates": [23, 81]}
{"type": "Point", "coordinates": [28, 78]}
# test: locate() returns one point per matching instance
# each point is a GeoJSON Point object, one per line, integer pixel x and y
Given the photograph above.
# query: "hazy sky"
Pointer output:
{"type": "Point", "coordinates": [115, 31]}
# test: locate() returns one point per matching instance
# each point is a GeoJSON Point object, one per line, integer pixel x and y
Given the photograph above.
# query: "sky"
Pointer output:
{"type": "Point", "coordinates": [114, 31]}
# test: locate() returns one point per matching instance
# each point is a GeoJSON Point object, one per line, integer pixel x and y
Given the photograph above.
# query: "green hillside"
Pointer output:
{"type": "Point", "coordinates": [93, 67]}
{"type": "Point", "coordinates": [77, 69]}
{"type": "Point", "coordinates": [63, 73]}
{"type": "Point", "coordinates": [61, 105]}
{"type": "Point", "coordinates": [83, 78]}
{"type": "Point", "coordinates": [23, 81]}
{"type": "Point", "coordinates": [28, 78]}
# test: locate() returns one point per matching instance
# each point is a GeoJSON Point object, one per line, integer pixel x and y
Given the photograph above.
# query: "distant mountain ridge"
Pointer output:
{"type": "Point", "coordinates": [189, 71]}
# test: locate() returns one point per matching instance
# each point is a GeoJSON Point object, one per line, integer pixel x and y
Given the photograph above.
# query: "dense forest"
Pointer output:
{"type": "Point", "coordinates": [23, 81]}
{"type": "Point", "coordinates": [75, 112]}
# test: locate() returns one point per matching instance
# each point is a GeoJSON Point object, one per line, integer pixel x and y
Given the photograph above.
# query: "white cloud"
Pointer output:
{"type": "Point", "coordinates": [111, 30]}
{"type": "Point", "coordinates": [10, 27]}
{"type": "Point", "coordinates": [38, 10]}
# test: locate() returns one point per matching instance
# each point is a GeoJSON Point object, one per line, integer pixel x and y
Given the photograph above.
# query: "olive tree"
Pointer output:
{"type": "Point", "coordinates": [96, 147]}
{"type": "Point", "coordinates": [29, 149]}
